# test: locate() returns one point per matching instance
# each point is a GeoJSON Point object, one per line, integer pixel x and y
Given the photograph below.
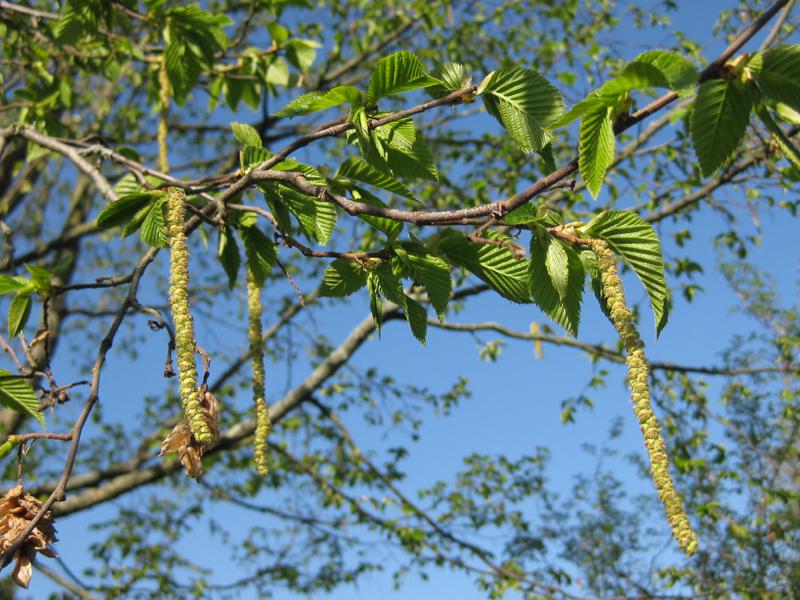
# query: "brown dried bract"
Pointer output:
{"type": "Point", "coordinates": [180, 440]}
{"type": "Point", "coordinates": [17, 510]}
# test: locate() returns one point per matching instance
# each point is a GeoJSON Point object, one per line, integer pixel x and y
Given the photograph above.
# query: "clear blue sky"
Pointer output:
{"type": "Point", "coordinates": [505, 414]}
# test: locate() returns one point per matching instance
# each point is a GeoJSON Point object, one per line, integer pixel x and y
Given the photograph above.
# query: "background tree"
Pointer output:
{"type": "Point", "coordinates": [302, 164]}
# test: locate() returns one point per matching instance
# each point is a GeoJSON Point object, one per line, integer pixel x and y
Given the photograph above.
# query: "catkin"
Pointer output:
{"type": "Point", "coordinates": [263, 424]}
{"type": "Point", "coordinates": [163, 83]}
{"type": "Point", "coordinates": [639, 383]}
{"type": "Point", "coordinates": [185, 345]}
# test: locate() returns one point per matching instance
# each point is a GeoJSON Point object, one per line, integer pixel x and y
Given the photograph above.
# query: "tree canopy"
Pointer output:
{"type": "Point", "coordinates": [198, 201]}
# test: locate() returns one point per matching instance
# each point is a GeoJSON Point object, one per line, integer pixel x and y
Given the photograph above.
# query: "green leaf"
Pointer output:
{"type": "Point", "coordinates": [433, 273]}
{"type": "Point", "coordinates": [779, 75]}
{"type": "Point", "coordinates": [591, 103]}
{"type": "Point", "coordinates": [18, 395]}
{"type": "Point", "coordinates": [316, 217]}
{"type": "Point", "coordinates": [680, 73]}
{"type": "Point", "coordinates": [78, 18]}
{"type": "Point", "coordinates": [525, 103]}
{"type": "Point", "coordinates": [564, 309]}
{"type": "Point", "coordinates": [635, 240]}
{"type": "Point", "coordinates": [389, 284]}
{"type": "Point", "coordinates": [557, 264]}
{"type": "Point", "coordinates": [301, 53]}
{"type": "Point", "coordinates": [390, 227]}
{"type": "Point", "coordinates": [315, 101]}
{"type": "Point", "coordinates": [246, 134]}
{"type": "Point", "coordinates": [789, 150]}
{"type": "Point", "coordinates": [397, 73]}
{"type": "Point", "coordinates": [358, 169]}
{"type": "Point", "coordinates": [398, 148]}
{"type": "Point", "coordinates": [787, 113]}
{"type": "Point", "coordinates": [451, 76]}
{"type": "Point", "coordinates": [123, 209]}
{"type": "Point", "coordinates": [9, 284]}
{"type": "Point", "coordinates": [636, 75]}
{"type": "Point", "coordinates": [596, 147]}
{"type": "Point", "coordinates": [342, 278]}
{"type": "Point", "coordinates": [228, 254]}
{"type": "Point", "coordinates": [18, 312]}
{"type": "Point", "coordinates": [494, 265]}
{"type": "Point", "coordinates": [260, 252]}
{"type": "Point", "coordinates": [154, 229]}
{"type": "Point", "coordinates": [417, 318]}
{"type": "Point", "coordinates": [720, 117]}
{"type": "Point", "coordinates": [40, 278]}
{"type": "Point", "coordinates": [375, 303]}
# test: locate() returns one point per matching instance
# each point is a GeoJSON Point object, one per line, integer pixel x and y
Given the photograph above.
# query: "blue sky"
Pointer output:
{"type": "Point", "coordinates": [515, 405]}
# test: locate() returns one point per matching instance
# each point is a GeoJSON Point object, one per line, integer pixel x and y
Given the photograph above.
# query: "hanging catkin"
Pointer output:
{"type": "Point", "coordinates": [263, 424]}
{"type": "Point", "coordinates": [639, 383]}
{"type": "Point", "coordinates": [185, 345]}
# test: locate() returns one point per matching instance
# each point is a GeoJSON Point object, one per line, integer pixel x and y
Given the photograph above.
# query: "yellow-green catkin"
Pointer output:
{"type": "Point", "coordinates": [639, 383]}
{"type": "Point", "coordinates": [164, 96]}
{"type": "Point", "coordinates": [185, 345]}
{"type": "Point", "coordinates": [263, 424]}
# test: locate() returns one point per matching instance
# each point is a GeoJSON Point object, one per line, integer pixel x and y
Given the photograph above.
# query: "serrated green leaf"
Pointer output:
{"type": "Point", "coordinates": [228, 254]}
{"type": "Point", "coordinates": [591, 103]}
{"type": "Point", "coordinates": [10, 284]}
{"type": "Point", "coordinates": [316, 217]}
{"type": "Point", "coordinates": [154, 229]}
{"type": "Point", "coordinates": [375, 303]}
{"type": "Point", "coordinates": [557, 263]}
{"type": "Point", "coordinates": [451, 76]}
{"type": "Point", "coordinates": [18, 312]}
{"type": "Point", "coordinates": [789, 150]}
{"type": "Point", "coordinates": [433, 273]}
{"type": "Point", "coordinates": [720, 117]}
{"type": "Point", "coordinates": [494, 265]}
{"type": "Point", "coordinates": [635, 240]}
{"type": "Point", "coordinates": [680, 73]}
{"type": "Point", "coordinates": [358, 169]}
{"type": "Point", "coordinates": [397, 73]}
{"type": "Point", "coordinates": [260, 252]}
{"type": "Point", "coordinates": [315, 101]}
{"type": "Point", "coordinates": [393, 150]}
{"type": "Point", "coordinates": [123, 209]}
{"type": "Point", "coordinates": [525, 103]}
{"type": "Point", "coordinates": [18, 395]}
{"type": "Point", "coordinates": [40, 278]}
{"type": "Point", "coordinates": [342, 278]}
{"type": "Point", "coordinates": [635, 75]}
{"type": "Point", "coordinates": [390, 227]}
{"type": "Point", "coordinates": [564, 310]}
{"type": "Point", "coordinates": [246, 135]}
{"type": "Point", "coordinates": [128, 184]}
{"type": "Point", "coordinates": [389, 284]}
{"type": "Point", "coordinates": [779, 75]}
{"type": "Point", "coordinates": [417, 318]}
{"type": "Point", "coordinates": [596, 147]}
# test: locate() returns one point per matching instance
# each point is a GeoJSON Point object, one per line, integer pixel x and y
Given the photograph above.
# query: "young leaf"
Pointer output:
{"type": "Point", "coordinates": [316, 217]}
{"type": "Point", "coordinates": [358, 169]}
{"type": "Point", "coordinates": [720, 117]}
{"type": "Point", "coordinates": [228, 253]}
{"type": "Point", "coordinates": [40, 278]}
{"type": "Point", "coordinates": [591, 103]}
{"type": "Point", "coordinates": [342, 278]}
{"type": "Point", "coordinates": [316, 101]}
{"type": "Point", "coordinates": [635, 240]}
{"type": "Point", "coordinates": [390, 227]}
{"type": "Point", "coordinates": [18, 395]}
{"type": "Point", "coordinates": [123, 209]}
{"type": "Point", "coordinates": [397, 73]}
{"type": "Point", "coordinates": [495, 265]}
{"type": "Point", "coordinates": [433, 273]}
{"type": "Point", "coordinates": [9, 284]}
{"type": "Point", "coordinates": [396, 147]}
{"type": "Point", "coordinates": [260, 252]}
{"type": "Point", "coordinates": [451, 76]}
{"type": "Point", "coordinates": [679, 72]}
{"type": "Point", "coordinates": [557, 263]}
{"type": "Point", "coordinates": [636, 75]}
{"type": "Point", "coordinates": [779, 75]}
{"type": "Point", "coordinates": [596, 147]}
{"type": "Point", "coordinates": [417, 318]}
{"type": "Point", "coordinates": [154, 231]}
{"type": "Point", "coordinates": [375, 303]}
{"type": "Point", "coordinates": [18, 312]}
{"type": "Point", "coordinates": [564, 310]}
{"type": "Point", "coordinates": [789, 150]}
{"type": "Point", "coordinates": [525, 103]}
{"type": "Point", "coordinates": [246, 134]}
